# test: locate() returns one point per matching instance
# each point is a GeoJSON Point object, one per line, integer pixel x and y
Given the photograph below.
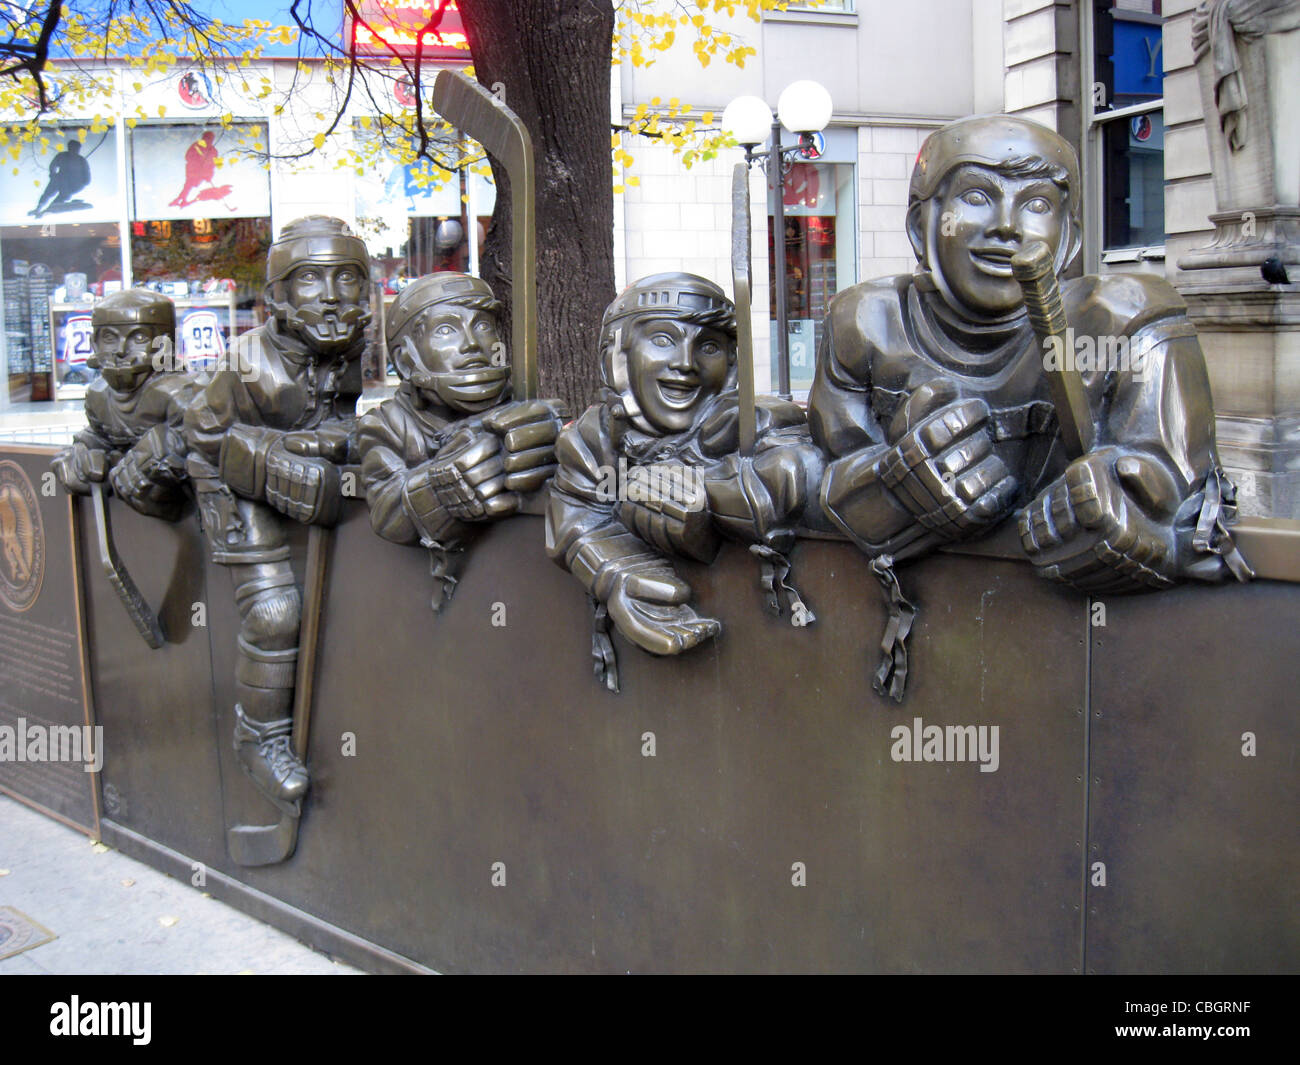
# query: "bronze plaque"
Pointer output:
{"type": "Point", "coordinates": [50, 751]}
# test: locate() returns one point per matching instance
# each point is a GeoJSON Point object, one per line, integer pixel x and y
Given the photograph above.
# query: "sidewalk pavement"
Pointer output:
{"type": "Point", "coordinates": [114, 915]}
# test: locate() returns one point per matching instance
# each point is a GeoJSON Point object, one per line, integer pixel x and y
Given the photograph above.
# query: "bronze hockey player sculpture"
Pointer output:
{"type": "Point", "coordinates": [133, 441]}
{"type": "Point", "coordinates": [267, 438]}
{"type": "Point", "coordinates": [652, 470]}
{"type": "Point", "coordinates": [134, 411]}
{"type": "Point", "coordinates": [450, 451]}
{"type": "Point", "coordinates": [951, 398]}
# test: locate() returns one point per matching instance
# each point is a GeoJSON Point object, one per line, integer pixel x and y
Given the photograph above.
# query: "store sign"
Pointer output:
{"type": "Point", "coordinates": [199, 172]}
{"type": "Point", "coordinates": [388, 27]}
{"type": "Point", "coordinates": [71, 177]}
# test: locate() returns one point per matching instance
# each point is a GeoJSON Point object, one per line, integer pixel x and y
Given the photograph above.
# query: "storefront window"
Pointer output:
{"type": "Point", "coordinates": [60, 250]}
{"type": "Point", "coordinates": [196, 217]}
{"type": "Point", "coordinates": [820, 259]}
{"type": "Point", "coordinates": [200, 228]}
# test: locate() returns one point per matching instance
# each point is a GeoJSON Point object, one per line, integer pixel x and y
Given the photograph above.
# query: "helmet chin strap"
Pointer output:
{"type": "Point", "coordinates": [293, 322]}
{"type": "Point", "coordinates": [127, 378]}
{"type": "Point", "coordinates": [621, 382]}
{"type": "Point", "coordinates": [439, 387]}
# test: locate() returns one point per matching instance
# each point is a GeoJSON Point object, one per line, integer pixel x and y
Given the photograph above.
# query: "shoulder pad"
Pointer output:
{"type": "Point", "coordinates": [1119, 304]}
{"type": "Point", "coordinates": [858, 316]}
{"type": "Point", "coordinates": [776, 413]}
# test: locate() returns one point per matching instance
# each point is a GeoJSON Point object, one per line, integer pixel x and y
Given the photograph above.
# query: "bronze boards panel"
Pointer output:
{"type": "Point", "coordinates": [1201, 842]}
{"type": "Point", "coordinates": [479, 743]}
{"type": "Point", "coordinates": [160, 768]}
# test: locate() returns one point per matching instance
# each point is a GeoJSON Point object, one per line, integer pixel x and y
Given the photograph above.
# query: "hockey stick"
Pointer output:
{"type": "Point", "coordinates": [270, 844]}
{"type": "Point", "coordinates": [741, 280]}
{"type": "Point", "coordinates": [485, 118]}
{"type": "Point", "coordinates": [1033, 269]}
{"type": "Point", "coordinates": [142, 616]}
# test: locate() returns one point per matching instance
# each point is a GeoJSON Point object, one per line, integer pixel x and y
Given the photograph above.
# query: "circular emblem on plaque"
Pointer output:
{"type": "Point", "coordinates": [22, 539]}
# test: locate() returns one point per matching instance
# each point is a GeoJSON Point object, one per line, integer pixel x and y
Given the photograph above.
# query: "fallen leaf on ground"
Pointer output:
{"type": "Point", "coordinates": [128, 882]}
{"type": "Point", "coordinates": [167, 922]}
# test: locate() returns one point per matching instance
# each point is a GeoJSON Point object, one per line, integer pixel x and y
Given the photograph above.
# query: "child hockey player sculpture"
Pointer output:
{"type": "Point", "coordinates": [134, 411]}
{"type": "Point", "coordinates": [950, 398]}
{"type": "Point", "coordinates": [267, 436]}
{"type": "Point", "coordinates": [652, 469]}
{"type": "Point", "coordinates": [450, 451]}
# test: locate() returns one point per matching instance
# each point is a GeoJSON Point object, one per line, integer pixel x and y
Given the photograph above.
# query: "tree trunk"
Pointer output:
{"type": "Point", "coordinates": [551, 58]}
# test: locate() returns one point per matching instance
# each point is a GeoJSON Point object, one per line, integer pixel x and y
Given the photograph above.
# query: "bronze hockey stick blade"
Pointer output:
{"type": "Point", "coordinates": [142, 616]}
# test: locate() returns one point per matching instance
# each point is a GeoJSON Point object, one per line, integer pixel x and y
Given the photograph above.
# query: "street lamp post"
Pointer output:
{"type": "Point", "coordinates": [776, 169]}
{"type": "Point", "coordinates": [804, 108]}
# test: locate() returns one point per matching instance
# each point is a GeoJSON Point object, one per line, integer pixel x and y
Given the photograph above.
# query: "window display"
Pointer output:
{"type": "Point", "coordinates": [198, 171]}
{"type": "Point", "coordinates": [200, 208]}
{"type": "Point", "coordinates": [195, 211]}
{"type": "Point", "coordinates": [52, 275]}
{"type": "Point", "coordinates": [59, 247]}
{"type": "Point", "coordinates": [820, 252]}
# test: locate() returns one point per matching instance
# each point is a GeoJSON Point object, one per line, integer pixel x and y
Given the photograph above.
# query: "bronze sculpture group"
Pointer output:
{"type": "Point", "coordinates": [945, 402]}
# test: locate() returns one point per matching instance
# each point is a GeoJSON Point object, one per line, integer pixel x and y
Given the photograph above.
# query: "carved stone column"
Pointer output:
{"type": "Point", "coordinates": [1248, 69]}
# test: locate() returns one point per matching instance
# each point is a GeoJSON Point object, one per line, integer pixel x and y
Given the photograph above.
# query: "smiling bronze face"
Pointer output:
{"type": "Point", "coordinates": [982, 189]}
{"type": "Point", "coordinates": [675, 367]}
{"type": "Point", "coordinates": [984, 218]}
{"type": "Point", "coordinates": [668, 348]}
